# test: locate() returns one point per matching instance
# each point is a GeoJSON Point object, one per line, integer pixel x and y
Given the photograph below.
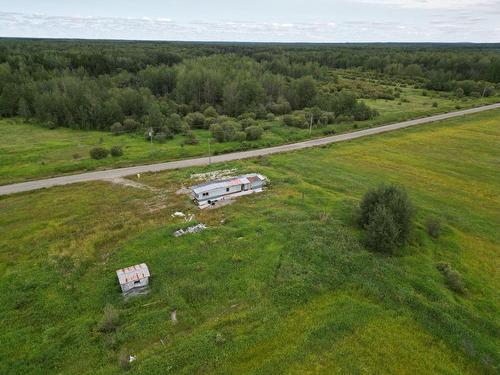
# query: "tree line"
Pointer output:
{"type": "Point", "coordinates": [175, 87]}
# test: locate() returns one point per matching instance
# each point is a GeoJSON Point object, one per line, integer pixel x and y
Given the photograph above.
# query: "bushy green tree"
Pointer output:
{"type": "Point", "coordinates": [302, 92]}
{"type": "Point", "coordinates": [386, 214]}
{"type": "Point", "coordinates": [174, 123]}
{"type": "Point", "coordinates": [130, 125]}
{"type": "Point", "coordinates": [382, 232]}
{"type": "Point", "coordinates": [155, 118]}
{"type": "Point", "coordinates": [196, 120]}
{"type": "Point", "coordinates": [116, 128]}
{"type": "Point", "coordinates": [226, 131]}
{"type": "Point", "coordinates": [116, 151]}
{"type": "Point", "coordinates": [161, 80]}
{"type": "Point", "coordinates": [253, 133]}
{"type": "Point", "coordinates": [98, 153]}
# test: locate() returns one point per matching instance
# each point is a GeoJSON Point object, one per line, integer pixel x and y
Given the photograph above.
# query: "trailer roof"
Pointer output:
{"type": "Point", "coordinates": [133, 273]}
{"type": "Point", "coordinates": [212, 185]}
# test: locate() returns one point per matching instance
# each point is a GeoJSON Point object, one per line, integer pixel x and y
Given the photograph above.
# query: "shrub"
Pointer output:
{"type": "Point", "coordinates": [382, 231]}
{"type": "Point", "coordinates": [227, 131]}
{"type": "Point", "coordinates": [50, 125]}
{"type": "Point", "coordinates": [116, 151]}
{"type": "Point", "coordinates": [270, 117]}
{"type": "Point", "coordinates": [161, 137]}
{"type": "Point", "coordinates": [98, 153]}
{"type": "Point", "coordinates": [433, 226]}
{"type": "Point", "coordinates": [435, 104]}
{"type": "Point", "coordinates": [174, 123]}
{"type": "Point", "coordinates": [191, 138]}
{"type": "Point", "coordinates": [110, 319]}
{"type": "Point", "coordinates": [247, 122]}
{"type": "Point", "coordinates": [240, 136]}
{"type": "Point", "coordinates": [210, 112]}
{"type": "Point", "coordinates": [247, 115]}
{"type": "Point", "coordinates": [253, 133]}
{"type": "Point", "coordinates": [196, 120]}
{"type": "Point", "coordinates": [386, 214]}
{"type": "Point", "coordinates": [281, 107]}
{"type": "Point", "coordinates": [130, 125]}
{"type": "Point", "coordinates": [116, 128]}
{"type": "Point", "coordinates": [328, 131]}
{"type": "Point", "coordinates": [362, 112]}
{"type": "Point", "coordinates": [295, 121]}
{"type": "Point", "coordinates": [453, 278]}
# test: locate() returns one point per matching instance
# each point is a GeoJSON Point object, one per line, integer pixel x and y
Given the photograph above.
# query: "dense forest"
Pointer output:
{"type": "Point", "coordinates": [176, 87]}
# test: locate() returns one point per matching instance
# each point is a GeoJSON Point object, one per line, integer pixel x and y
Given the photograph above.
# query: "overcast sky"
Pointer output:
{"type": "Point", "coordinates": [255, 20]}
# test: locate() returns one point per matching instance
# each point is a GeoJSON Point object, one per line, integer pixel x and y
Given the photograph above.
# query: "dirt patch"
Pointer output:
{"type": "Point", "coordinates": [153, 204]}
{"type": "Point", "coordinates": [183, 190]}
{"type": "Point", "coordinates": [129, 183]}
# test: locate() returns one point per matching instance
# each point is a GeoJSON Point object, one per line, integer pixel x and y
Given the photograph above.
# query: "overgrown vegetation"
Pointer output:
{"type": "Point", "coordinates": [281, 282]}
{"type": "Point", "coordinates": [453, 278]}
{"type": "Point", "coordinates": [110, 319]}
{"type": "Point", "coordinates": [433, 226]}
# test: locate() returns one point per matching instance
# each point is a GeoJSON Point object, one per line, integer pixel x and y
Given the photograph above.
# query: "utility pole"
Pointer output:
{"type": "Point", "coordinates": [150, 133]}
{"type": "Point", "coordinates": [209, 153]}
{"type": "Point", "coordinates": [311, 124]}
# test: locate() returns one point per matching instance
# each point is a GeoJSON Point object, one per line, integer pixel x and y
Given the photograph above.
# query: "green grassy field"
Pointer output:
{"type": "Point", "coordinates": [280, 282]}
{"type": "Point", "coordinates": [28, 151]}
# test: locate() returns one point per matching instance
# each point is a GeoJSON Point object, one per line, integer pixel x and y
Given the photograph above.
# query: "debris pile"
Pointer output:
{"type": "Point", "coordinates": [194, 229]}
{"type": "Point", "coordinates": [187, 218]}
{"type": "Point", "coordinates": [214, 175]}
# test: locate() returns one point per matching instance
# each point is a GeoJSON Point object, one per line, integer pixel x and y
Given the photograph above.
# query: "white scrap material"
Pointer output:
{"type": "Point", "coordinates": [132, 358]}
{"type": "Point", "coordinates": [178, 214]}
{"type": "Point", "coordinates": [193, 229]}
{"type": "Point", "coordinates": [213, 175]}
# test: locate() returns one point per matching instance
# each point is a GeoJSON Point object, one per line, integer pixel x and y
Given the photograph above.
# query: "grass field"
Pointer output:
{"type": "Point", "coordinates": [28, 151]}
{"type": "Point", "coordinates": [280, 282]}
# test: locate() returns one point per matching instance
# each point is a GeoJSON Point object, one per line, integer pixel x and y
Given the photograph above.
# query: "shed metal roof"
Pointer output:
{"type": "Point", "coordinates": [133, 273]}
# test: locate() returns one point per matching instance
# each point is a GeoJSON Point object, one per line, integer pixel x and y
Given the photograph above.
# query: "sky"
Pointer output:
{"type": "Point", "coordinates": [255, 20]}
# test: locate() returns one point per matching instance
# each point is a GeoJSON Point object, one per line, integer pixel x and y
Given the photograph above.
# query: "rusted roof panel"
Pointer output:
{"type": "Point", "coordinates": [133, 273]}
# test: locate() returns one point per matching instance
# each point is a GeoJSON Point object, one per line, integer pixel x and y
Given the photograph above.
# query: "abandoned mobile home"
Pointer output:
{"type": "Point", "coordinates": [134, 278]}
{"type": "Point", "coordinates": [211, 192]}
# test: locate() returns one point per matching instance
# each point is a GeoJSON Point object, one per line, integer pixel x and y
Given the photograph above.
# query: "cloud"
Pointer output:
{"type": "Point", "coordinates": [24, 25]}
{"type": "Point", "coordinates": [442, 26]}
{"type": "Point", "coordinates": [436, 4]}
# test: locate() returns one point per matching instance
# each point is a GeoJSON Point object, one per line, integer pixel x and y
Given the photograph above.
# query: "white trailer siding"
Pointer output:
{"type": "Point", "coordinates": [213, 191]}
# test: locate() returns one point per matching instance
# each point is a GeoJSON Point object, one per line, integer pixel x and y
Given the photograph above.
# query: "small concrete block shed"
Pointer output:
{"type": "Point", "coordinates": [134, 277]}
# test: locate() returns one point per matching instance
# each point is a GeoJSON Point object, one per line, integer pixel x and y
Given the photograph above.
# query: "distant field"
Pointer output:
{"type": "Point", "coordinates": [30, 152]}
{"type": "Point", "coordinates": [282, 285]}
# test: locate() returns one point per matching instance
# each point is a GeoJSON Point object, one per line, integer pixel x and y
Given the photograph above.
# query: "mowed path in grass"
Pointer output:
{"type": "Point", "coordinates": [280, 282]}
